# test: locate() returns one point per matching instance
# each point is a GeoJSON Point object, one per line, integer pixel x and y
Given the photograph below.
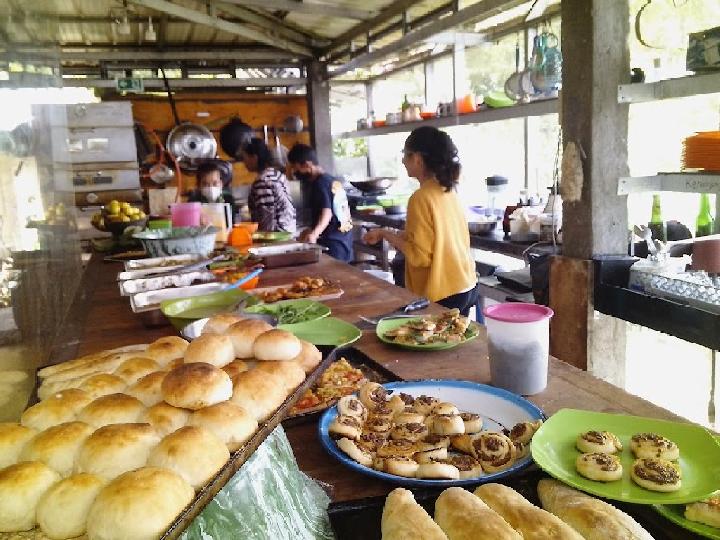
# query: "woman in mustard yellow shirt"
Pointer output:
{"type": "Point", "coordinates": [436, 241]}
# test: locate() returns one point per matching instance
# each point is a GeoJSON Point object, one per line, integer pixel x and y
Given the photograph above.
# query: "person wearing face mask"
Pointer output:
{"type": "Point", "coordinates": [269, 198]}
{"type": "Point", "coordinates": [211, 188]}
{"type": "Point", "coordinates": [331, 221]}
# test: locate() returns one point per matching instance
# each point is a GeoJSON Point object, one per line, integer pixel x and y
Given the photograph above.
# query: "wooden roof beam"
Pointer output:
{"type": "Point", "coordinates": [164, 6]}
{"type": "Point", "coordinates": [314, 8]}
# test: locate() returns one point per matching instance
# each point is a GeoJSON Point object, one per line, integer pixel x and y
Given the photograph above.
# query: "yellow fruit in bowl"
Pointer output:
{"type": "Point", "coordinates": [113, 208]}
{"type": "Point", "coordinates": [141, 215]}
{"type": "Point", "coordinates": [125, 218]}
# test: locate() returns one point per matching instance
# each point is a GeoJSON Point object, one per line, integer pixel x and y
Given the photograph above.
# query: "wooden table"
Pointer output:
{"type": "Point", "coordinates": [103, 319]}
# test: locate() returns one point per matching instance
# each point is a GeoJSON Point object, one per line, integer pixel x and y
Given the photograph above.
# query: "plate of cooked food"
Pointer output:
{"type": "Point", "coordinates": [629, 458]}
{"type": "Point", "coordinates": [306, 287]}
{"type": "Point", "coordinates": [431, 433]}
{"type": "Point", "coordinates": [428, 333]}
{"type": "Point", "coordinates": [292, 311]}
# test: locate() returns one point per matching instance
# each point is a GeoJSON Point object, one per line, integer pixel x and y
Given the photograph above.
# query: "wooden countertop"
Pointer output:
{"type": "Point", "coordinates": [103, 320]}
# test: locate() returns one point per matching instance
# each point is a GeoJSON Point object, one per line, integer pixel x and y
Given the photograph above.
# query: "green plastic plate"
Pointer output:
{"type": "Point", "coordinates": [183, 311]}
{"type": "Point", "coordinates": [313, 310]}
{"type": "Point", "coordinates": [272, 236]}
{"type": "Point", "coordinates": [328, 331]}
{"type": "Point", "coordinates": [676, 514]}
{"type": "Point", "coordinates": [385, 325]}
{"type": "Point", "coordinates": [553, 449]}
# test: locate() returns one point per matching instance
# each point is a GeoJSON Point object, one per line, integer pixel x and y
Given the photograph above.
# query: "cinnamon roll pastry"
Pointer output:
{"type": "Point", "coordinates": [445, 408]}
{"type": "Point", "coordinates": [431, 442]}
{"type": "Point", "coordinates": [524, 431]}
{"type": "Point", "coordinates": [602, 442]}
{"type": "Point", "coordinates": [400, 402]}
{"type": "Point", "coordinates": [651, 445]}
{"type": "Point", "coordinates": [468, 466]}
{"type": "Point", "coordinates": [372, 394]}
{"type": "Point", "coordinates": [599, 467]}
{"type": "Point", "coordinates": [397, 447]}
{"type": "Point", "coordinates": [521, 450]}
{"type": "Point", "coordinates": [447, 424]}
{"type": "Point", "coordinates": [424, 404]}
{"type": "Point", "coordinates": [370, 441]}
{"type": "Point", "coordinates": [379, 425]}
{"type": "Point", "coordinates": [352, 406]}
{"type": "Point", "coordinates": [473, 422]}
{"type": "Point", "coordinates": [382, 411]}
{"type": "Point", "coordinates": [352, 449]}
{"type": "Point", "coordinates": [413, 431]}
{"type": "Point", "coordinates": [345, 426]}
{"type": "Point", "coordinates": [464, 442]}
{"type": "Point", "coordinates": [656, 474]}
{"type": "Point", "coordinates": [494, 451]}
{"type": "Point", "coordinates": [401, 466]}
{"type": "Point", "coordinates": [406, 417]}
{"type": "Point", "coordinates": [431, 455]}
{"type": "Point", "coordinates": [437, 470]}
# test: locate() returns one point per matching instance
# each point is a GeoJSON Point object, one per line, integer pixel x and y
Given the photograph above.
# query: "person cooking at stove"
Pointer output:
{"type": "Point", "coordinates": [436, 241]}
{"type": "Point", "coordinates": [211, 187]}
{"type": "Point", "coordinates": [331, 221]}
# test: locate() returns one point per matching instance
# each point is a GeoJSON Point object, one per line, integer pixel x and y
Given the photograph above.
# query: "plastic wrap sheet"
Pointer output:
{"type": "Point", "coordinates": [269, 497]}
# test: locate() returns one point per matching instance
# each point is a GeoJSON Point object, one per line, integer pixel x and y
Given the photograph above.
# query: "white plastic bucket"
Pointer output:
{"type": "Point", "coordinates": [518, 346]}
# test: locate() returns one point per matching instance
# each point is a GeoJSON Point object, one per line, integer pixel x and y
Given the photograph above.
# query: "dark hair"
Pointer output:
{"type": "Point", "coordinates": [206, 167]}
{"type": "Point", "coordinates": [302, 153]}
{"type": "Point", "coordinates": [438, 152]}
{"type": "Point", "coordinates": [257, 147]}
{"type": "Point", "coordinates": [233, 135]}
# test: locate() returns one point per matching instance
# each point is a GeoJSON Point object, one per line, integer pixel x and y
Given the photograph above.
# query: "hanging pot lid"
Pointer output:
{"type": "Point", "coordinates": [191, 143]}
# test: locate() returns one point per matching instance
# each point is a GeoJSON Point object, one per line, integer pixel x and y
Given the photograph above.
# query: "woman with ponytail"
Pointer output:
{"type": "Point", "coordinates": [435, 242]}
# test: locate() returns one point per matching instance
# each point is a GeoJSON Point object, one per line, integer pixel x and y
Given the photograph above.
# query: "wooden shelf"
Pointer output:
{"type": "Point", "coordinates": [693, 85]}
{"type": "Point", "coordinates": [690, 182]}
{"type": "Point", "coordinates": [536, 108]}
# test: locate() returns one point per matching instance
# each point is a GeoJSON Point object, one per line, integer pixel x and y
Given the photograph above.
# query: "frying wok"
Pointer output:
{"type": "Point", "coordinates": [379, 183]}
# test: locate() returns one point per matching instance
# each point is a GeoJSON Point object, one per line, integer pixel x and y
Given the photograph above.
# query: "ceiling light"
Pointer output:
{"type": "Point", "coordinates": [150, 31]}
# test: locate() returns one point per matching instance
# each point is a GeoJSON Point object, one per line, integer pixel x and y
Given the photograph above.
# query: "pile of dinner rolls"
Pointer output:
{"type": "Point", "coordinates": [121, 440]}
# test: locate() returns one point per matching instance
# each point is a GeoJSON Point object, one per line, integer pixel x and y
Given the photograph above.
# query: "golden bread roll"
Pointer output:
{"type": "Point", "coordinates": [112, 409]}
{"type": "Point", "coordinates": [599, 467]}
{"type": "Point", "coordinates": [197, 385]}
{"type": "Point", "coordinates": [139, 504]}
{"type": "Point", "coordinates": [463, 516]}
{"type": "Point", "coordinates": [63, 510]}
{"type": "Point", "coordinates": [524, 431]}
{"type": "Point", "coordinates": [592, 518]}
{"type": "Point", "coordinates": [134, 368]}
{"type": "Point", "coordinates": [47, 388]}
{"type": "Point", "coordinates": [258, 394]}
{"type": "Point", "coordinates": [707, 511]}
{"type": "Point", "coordinates": [652, 445]}
{"type": "Point", "coordinates": [531, 522]}
{"type": "Point", "coordinates": [405, 519]}
{"type": "Point", "coordinates": [115, 449]}
{"type": "Point", "coordinates": [102, 384]}
{"type": "Point", "coordinates": [57, 409]}
{"type": "Point", "coordinates": [192, 452]}
{"type": "Point", "coordinates": [356, 452]}
{"type": "Point", "coordinates": [656, 474]}
{"type": "Point", "coordinates": [602, 442]}
{"type": "Point", "coordinates": [276, 344]}
{"type": "Point", "coordinates": [148, 389]}
{"type": "Point", "coordinates": [289, 373]}
{"type": "Point", "coordinates": [220, 322]}
{"type": "Point", "coordinates": [232, 424]}
{"type": "Point", "coordinates": [213, 349]}
{"type": "Point", "coordinates": [235, 368]}
{"type": "Point", "coordinates": [13, 438]}
{"type": "Point", "coordinates": [166, 349]}
{"type": "Point", "coordinates": [49, 371]}
{"type": "Point", "coordinates": [165, 418]}
{"type": "Point", "coordinates": [309, 357]}
{"type": "Point", "coordinates": [243, 335]}
{"type": "Point", "coordinates": [104, 364]}
{"type": "Point", "coordinates": [21, 486]}
{"type": "Point", "coordinates": [57, 446]}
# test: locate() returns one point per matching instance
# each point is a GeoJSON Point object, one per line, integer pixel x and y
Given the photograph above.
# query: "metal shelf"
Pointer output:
{"type": "Point", "coordinates": [536, 108]}
{"type": "Point", "coordinates": [693, 85]}
{"type": "Point", "coordinates": [690, 182]}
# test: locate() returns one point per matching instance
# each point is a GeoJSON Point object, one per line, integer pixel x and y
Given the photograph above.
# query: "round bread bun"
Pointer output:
{"type": "Point", "coordinates": [447, 424]}
{"type": "Point", "coordinates": [112, 409]}
{"type": "Point", "coordinates": [438, 470]}
{"type": "Point", "coordinates": [351, 448]}
{"type": "Point", "coordinates": [192, 452]}
{"type": "Point", "coordinates": [21, 486]}
{"type": "Point", "coordinates": [102, 384]}
{"type": "Point", "coordinates": [398, 447]}
{"type": "Point", "coordinates": [57, 446]}
{"type": "Point", "coordinates": [599, 467]}
{"type": "Point", "coordinates": [473, 422]}
{"type": "Point", "coordinates": [134, 368]}
{"type": "Point", "coordinates": [220, 322]}
{"type": "Point", "coordinates": [257, 393]}
{"type": "Point", "coordinates": [148, 389]}
{"type": "Point", "coordinates": [656, 474]}
{"type": "Point", "coordinates": [213, 349]}
{"type": "Point", "coordinates": [139, 504]}
{"type": "Point", "coordinates": [309, 357]}
{"type": "Point", "coordinates": [445, 408]}
{"type": "Point", "coordinates": [290, 374]}
{"type": "Point", "coordinates": [276, 344]}
{"type": "Point", "coordinates": [229, 422]}
{"type": "Point", "coordinates": [349, 427]}
{"type": "Point", "coordinates": [57, 409]}
{"type": "Point", "coordinates": [236, 367]}
{"type": "Point", "coordinates": [13, 438]}
{"type": "Point", "coordinates": [401, 466]}
{"type": "Point", "coordinates": [115, 449]}
{"type": "Point", "coordinates": [524, 431]}
{"type": "Point", "coordinates": [652, 445]}
{"type": "Point", "coordinates": [197, 385]}
{"type": "Point", "coordinates": [243, 335]}
{"type": "Point", "coordinates": [600, 442]}
{"type": "Point", "coordinates": [431, 455]}
{"type": "Point", "coordinates": [424, 404]}
{"type": "Point", "coordinates": [166, 349]}
{"type": "Point", "coordinates": [63, 509]}
{"type": "Point", "coordinates": [372, 394]}
{"type": "Point", "coordinates": [413, 431]}
{"type": "Point", "coordinates": [468, 466]}
{"type": "Point", "coordinates": [351, 406]}
{"type": "Point", "coordinates": [165, 418]}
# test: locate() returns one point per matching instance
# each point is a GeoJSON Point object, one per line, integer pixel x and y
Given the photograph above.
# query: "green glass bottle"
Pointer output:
{"type": "Point", "coordinates": [405, 104]}
{"type": "Point", "coordinates": [704, 223]}
{"type": "Point", "coordinates": [657, 224]}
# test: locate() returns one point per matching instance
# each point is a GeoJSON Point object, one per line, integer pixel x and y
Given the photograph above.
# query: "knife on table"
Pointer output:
{"type": "Point", "coordinates": [416, 305]}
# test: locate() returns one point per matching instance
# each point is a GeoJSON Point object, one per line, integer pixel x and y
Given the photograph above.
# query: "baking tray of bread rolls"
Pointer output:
{"type": "Point", "coordinates": [588, 517]}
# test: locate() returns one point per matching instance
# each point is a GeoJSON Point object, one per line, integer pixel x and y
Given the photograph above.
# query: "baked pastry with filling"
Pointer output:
{"type": "Point", "coordinates": [345, 426]}
{"type": "Point", "coordinates": [599, 467]}
{"type": "Point", "coordinates": [403, 519]}
{"type": "Point", "coordinates": [372, 394]}
{"type": "Point", "coordinates": [468, 466]}
{"type": "Point", "coordinates": [352, 406]}
{"type": "Point", "coordinates": [651, 445]}
{"type": "Point", "coordinates": [707, 511]}
{"type": "Point", "coordinates": [601, 442]}
{"type": "Point", "coordinates": [524, 431]}
{"type": "Point", "coordinates": [656, 474]}
{"type": "Point", "coordinates": [463, 517]}
{"type": "Point", "coordinates": [494, 451]}
{"type": "Point", "coordinates": [437, 470]}
{"type": "Point", "coordinates": [352, 449]}
{"type": "Point", "coordinates": [412, 431]}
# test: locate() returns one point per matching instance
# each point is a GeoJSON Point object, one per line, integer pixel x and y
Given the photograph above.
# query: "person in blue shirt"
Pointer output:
{"type": "Point", "coordinates": [331, 221]}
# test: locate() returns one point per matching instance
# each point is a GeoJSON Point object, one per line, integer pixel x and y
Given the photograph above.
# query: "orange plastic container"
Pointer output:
{"type": "Point", "coordinates": [466, 104]}
{"type": "Point", "coordinates": [240, 236]}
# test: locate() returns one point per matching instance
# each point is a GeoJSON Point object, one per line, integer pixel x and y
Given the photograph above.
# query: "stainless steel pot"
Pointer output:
{"type": "Point", "coordinates": [190, 144]}
{"type": "Point", "coordinates": [380, 183]}
{"type": "Point", "coordinates": [480, 228]}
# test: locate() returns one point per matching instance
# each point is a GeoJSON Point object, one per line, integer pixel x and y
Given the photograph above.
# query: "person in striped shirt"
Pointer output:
{"type": "Point", "coordinates": [269, 199]}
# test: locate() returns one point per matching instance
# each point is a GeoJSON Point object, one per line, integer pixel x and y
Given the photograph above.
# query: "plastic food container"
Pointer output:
{"type": "Point", "coordinates": [185, 214]}
{"type": "Point", "coordinates": [518, 346]}
{"type": "Point", "coordinates": [177, 241]}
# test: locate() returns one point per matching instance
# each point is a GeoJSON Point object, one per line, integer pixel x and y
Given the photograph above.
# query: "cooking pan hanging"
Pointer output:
{"type": "Point", "coordinates": [191, 144]}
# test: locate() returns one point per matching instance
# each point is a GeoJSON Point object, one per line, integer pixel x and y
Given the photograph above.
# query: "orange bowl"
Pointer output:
{"type": "Point", "coordinates": [251, 226]}
{"type": "Point", "coordinates": [379, 123]}
{"type": "Point", "coordinates": [427, 115]}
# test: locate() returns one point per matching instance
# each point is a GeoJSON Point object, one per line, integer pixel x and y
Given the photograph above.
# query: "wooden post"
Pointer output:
{"type": "Point", "coordinates": [318, 95]}
{"type": "Point", "coordinates": [595, 61]}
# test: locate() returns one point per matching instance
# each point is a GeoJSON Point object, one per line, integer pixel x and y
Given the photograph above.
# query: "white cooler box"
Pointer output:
{"type": "Point", "coordinates": [86, 145]}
